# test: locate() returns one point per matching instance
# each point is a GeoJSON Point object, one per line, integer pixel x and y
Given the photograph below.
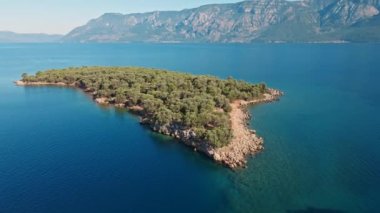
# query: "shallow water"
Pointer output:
{"type": "Point", "coordinates": [60, 152]}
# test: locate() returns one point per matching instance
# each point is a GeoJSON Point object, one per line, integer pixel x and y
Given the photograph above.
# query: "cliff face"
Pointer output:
{"type": "Point", "coordinates": [346, 13]}
{"type": "Point", "coordinates": [248, 21]}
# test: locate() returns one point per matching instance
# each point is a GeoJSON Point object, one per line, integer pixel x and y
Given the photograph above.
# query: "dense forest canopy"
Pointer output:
{"type": "Point", "coordinates": [197, 102]}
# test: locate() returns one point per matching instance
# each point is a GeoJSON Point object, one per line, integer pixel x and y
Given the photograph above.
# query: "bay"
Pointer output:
{"type": "Point", "coordinates": [60, 152]}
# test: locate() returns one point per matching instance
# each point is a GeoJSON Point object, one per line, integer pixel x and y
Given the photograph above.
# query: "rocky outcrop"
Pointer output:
{"type": "Point", "coordinates": [102, 100]}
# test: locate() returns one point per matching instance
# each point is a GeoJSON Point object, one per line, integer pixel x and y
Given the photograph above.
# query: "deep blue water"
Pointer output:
{"type": "Point", "coordinates": [60, 152]}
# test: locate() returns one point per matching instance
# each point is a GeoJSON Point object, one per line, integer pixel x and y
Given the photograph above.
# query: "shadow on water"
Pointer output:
{"type": "Point", "coordinates": [164, 143]}
{"type": "Point", "coordinates": [168, 143]}
{"type": "Point", "coordinates": [314, 210]}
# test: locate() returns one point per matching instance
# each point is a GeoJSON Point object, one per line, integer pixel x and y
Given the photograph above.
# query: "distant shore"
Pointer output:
{"type": "Point", "coordinates": [245, 141]}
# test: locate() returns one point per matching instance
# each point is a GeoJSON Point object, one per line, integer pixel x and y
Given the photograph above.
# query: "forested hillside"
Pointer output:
{"type": "Point", "coordinates": [169, 102]}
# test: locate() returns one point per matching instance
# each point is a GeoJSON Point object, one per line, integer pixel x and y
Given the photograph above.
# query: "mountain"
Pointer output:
{"type": "Point", "coordinates": [11, 37]}
{"type": "Point", "coordinates": [243, 22]}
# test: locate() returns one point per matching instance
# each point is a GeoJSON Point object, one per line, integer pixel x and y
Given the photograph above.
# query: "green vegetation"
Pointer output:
{"type": "Point", "coordinates": [200, 103]}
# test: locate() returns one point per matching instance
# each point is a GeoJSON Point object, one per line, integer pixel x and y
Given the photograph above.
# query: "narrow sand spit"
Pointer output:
{"type": "Point", "coordinates": [245, 142]}
{"type": "Point", "coordinates": [22, 83]}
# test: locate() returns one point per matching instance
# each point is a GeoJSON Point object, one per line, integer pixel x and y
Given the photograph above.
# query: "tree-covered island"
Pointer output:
{"type": "Point", "coordinates": [202, 111]}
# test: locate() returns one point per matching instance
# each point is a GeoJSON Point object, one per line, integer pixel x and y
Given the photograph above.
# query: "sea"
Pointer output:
{"type": "Point", "coordinates": [61, 152]}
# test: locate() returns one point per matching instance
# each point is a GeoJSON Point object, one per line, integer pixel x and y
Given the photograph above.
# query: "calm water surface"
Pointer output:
{"type": "Point", "coordinates": [60, 152]}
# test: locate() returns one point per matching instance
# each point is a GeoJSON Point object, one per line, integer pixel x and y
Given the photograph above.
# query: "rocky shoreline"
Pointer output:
{"type": "Point", "coordinates": [244, 143]}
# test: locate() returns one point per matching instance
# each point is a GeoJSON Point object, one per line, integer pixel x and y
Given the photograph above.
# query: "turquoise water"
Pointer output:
{"type": "Point", "coordinates": [60, 152]}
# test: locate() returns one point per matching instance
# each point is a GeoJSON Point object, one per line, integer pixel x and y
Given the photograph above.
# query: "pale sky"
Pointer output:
{"type": "Point", "coordinates": [61, 16]}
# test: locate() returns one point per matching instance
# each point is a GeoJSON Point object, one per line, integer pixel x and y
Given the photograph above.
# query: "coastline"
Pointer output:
{"type": "Point", "coordinates": [22, 83]}
{"type": "Point", "coordinates": [245, 141]}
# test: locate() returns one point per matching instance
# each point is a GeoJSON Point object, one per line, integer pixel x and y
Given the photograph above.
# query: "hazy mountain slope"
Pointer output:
{"type": "Point", "coordinates": [11, 37]}
{"type": "Point", "coordinates": [366, 30]}
{"type": "Point", "coordinates": [248, 21]}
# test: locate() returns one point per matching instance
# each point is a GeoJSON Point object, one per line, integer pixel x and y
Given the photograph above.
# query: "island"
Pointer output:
{"type": "Point", "coordinates": [204, 112]}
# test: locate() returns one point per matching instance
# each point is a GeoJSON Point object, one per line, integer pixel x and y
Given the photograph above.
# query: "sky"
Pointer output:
{"type": "Point", "coordinates": [61, 16]}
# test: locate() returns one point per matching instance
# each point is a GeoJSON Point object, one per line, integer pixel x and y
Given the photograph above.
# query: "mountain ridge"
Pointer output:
{"type": "Point", "coordinates": [12, 37]}
{"type": "Point", "coordinates": [241, 22]}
